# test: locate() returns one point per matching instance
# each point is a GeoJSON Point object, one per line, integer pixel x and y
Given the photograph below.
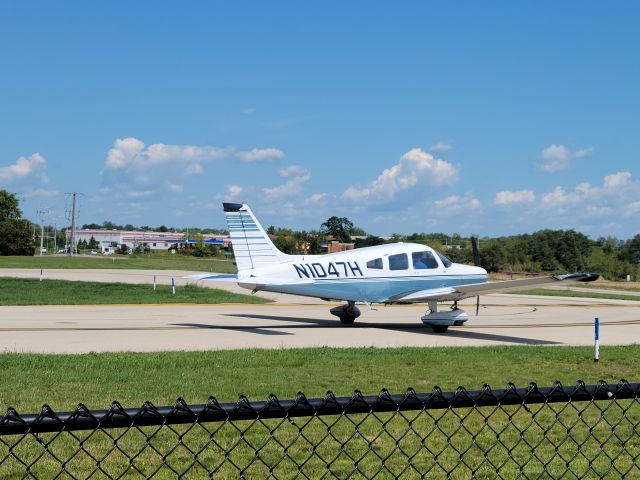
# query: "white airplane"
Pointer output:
{"type": "Point", "coordinates": [387, 274]}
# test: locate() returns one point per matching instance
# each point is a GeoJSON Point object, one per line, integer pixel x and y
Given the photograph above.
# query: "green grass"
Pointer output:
{"type": "Point", "coordinates": [622, 286]}
{"type": "Point", "coordinates": [573, 293]}
{"type": "Point", "coordinates": [96, 379]}
{"type": "Point", "coordinates": [140, 262]}
{"type": "Point", "coordinates": [29, 380]}
{"type": "Point", "coordinates": [19, 291]}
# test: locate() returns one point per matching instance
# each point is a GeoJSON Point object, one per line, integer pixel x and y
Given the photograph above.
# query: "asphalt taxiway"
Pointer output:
{"type": "Point", "coordinates": [295, 322]}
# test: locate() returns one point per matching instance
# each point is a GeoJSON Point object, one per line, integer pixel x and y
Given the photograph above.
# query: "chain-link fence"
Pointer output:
{"type": "Point", "coordinates": [552, 432]}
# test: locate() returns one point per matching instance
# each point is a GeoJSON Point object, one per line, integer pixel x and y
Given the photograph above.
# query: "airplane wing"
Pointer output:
{"type": "Point", "coordinates": [472, 290]}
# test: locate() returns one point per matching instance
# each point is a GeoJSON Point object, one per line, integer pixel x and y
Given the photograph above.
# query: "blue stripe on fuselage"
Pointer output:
{"type": "Point", "coordinates": [375, 290]}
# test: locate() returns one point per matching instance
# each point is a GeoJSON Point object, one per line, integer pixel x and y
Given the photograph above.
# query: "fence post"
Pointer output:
{"type": "Point", "coordinates": [596, 352]}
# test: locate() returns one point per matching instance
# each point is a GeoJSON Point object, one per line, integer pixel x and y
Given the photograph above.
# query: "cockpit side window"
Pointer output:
{"type": "Point", "coordinates": [423, 260]}
{"type": "Point", "coordinates": [398, 262]}
{"type": "Point", "coordinates": [375, 263]}
{"type": "Point", "coordinates": [445, 261]}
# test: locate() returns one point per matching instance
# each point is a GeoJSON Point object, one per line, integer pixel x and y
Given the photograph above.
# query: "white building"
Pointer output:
{"type": "Point", "coordinates": [156, 241]}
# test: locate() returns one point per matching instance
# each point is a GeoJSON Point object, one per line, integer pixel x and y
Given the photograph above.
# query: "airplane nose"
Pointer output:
{"type": "Point", "coordinates": [481, 271]}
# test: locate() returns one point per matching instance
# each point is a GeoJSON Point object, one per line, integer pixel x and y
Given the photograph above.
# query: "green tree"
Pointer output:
{"type": "Point", "coordinates": [16, 237]}
{"type": "Point", "coordinates": [93, 244]}
{"type": "Point", "coordinates": [9, 206]}
{"type": "Point", "coordinates": [369, 241]}
{"type": "Point", "coordinates": [286, 243]}
{"type": "Point", "coordinates": [357, 232]}
{"type": "Point", "coordinates": [200, 249]}
{"type": "Point", "coordinates": [609, 265]}
{"type": "Point", "coordinates": [631, 250]}
{"type": "Point", "coordinates": [307, 242]}
{"type": "Point", "coordinates": [338, 227]}
{"type": "Point", "coordinates": [492, 256]}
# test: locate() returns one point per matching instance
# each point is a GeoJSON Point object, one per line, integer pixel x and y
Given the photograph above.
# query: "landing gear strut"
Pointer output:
{"type": "Point", "coordinates": [346, 313]}
{"type": "Point", "coordinates": [441, 321]}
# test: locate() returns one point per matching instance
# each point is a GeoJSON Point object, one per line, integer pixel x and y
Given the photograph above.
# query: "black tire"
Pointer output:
{"type": "Point", "coordinates": [347, 320]}
{"type": "Point", "coordinates": [440, 328]}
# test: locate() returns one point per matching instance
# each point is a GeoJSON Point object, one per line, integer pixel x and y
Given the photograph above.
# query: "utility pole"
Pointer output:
{"type": "Point", "coordinates": [72, 248]}
{"type": "Point", "coordinates": [73, 225]}
{"type": "Point", "coordinates": [41, 214]}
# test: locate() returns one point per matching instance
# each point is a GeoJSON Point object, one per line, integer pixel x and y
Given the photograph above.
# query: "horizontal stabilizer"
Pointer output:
{"type": "Point", "coordinates": [220, 277]}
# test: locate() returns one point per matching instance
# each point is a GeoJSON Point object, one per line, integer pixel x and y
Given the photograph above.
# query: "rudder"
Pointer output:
{"type": "Point", "coordinates": [252, 247]}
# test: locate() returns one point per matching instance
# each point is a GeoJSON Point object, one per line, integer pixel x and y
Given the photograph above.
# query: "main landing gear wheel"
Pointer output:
{"type": "Point", "coordinates": [440, 322]}
{"type": "Point", "coordinates": [440, 328]}
{"type": "Point", "coordinates": [346, 313]}
{"type": "Point", "coordinates": [347, 319]}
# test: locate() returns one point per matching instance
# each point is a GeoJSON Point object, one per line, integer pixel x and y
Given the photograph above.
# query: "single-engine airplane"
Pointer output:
{"type": "Point", "coordinates": [385, 274]}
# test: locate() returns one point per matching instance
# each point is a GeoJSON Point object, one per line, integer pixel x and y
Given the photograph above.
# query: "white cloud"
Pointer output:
{"type": "Point", "coordinates": [632, 208]}
{"type": "Point", "coordinates": [297, 176]}
{"type": "Point", "coordinates": [24, 167]}
{"type": "Point", "coordinates": [441, 147]}
{"type": "Point", "coordinates": [555, 158]}
{"type": "Point", "coordinates": [616, 188]}
{"type": "Point", "coordinates": [616, 180]}
{"type": "Point", "coordinates": [294, 171]}
{"type": "Point", "coordinates": [131, 153]}
{"type": "Point", "coordinates": [195, 169]}
{"type": "Point", "coordinates": [450, 200]}
{"type": "Point", "coordinates": [173, 187]}
{"type": "Point", "coordinates": [508, 197]}
{"type": "Point", "coordinates": [260, 155]}
{"type": "Point", "coordinates": [456, 203]}
{"type": "Point", "coordinates": [141, 193]}
{"type": "Point", "coordinates": [233, 192]}
{"type": "Point", "coordinates": [557, 197]}
{"type": "Point", "coordinates": [415, 167]}
{"type": "Point", "coordinates": [248, 110]}
{"type": "Point", "coordinates": [595, 211]}
{"type": "Point", "coordinates": [40, 193]}
{"type": "Point", "coordinates": [317, 199]}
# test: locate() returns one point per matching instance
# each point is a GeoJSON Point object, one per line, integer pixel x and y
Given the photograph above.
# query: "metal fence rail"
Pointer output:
{"type": "Point", "coordinates": [585, 431]}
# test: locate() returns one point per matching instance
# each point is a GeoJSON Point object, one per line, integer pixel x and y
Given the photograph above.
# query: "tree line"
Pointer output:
{"type": "Point", "coordinates": [547, 251]}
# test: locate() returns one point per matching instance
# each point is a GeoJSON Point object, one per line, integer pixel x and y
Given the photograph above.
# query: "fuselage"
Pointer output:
{"type": "Point", "coordinates": [378, 274]}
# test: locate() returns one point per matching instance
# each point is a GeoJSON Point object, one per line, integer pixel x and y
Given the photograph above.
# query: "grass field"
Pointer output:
{"type": "Point", "coordinates": [258, 448]}
{"type": "Point", "coordinates": [19, 291]}
{"type": "Point", "coordinates": [29, 380]}
{"type": "Point", "coordinates": [142, 262]}
{"type": "Point", "coordinates": [573, 293]}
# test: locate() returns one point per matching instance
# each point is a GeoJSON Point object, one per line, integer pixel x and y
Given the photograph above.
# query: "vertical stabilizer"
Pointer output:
{"type": "Point", "coordinates": [252, 247]}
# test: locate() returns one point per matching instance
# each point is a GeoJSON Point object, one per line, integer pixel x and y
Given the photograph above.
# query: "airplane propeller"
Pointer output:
{"type": "Point", "coordinates": [475, 249]}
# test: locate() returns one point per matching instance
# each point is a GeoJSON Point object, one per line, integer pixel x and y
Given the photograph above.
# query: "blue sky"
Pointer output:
{"type": "Point", "coordinates": [415, 116]}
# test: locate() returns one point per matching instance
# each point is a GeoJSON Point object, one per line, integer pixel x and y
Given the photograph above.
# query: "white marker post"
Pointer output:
{"type": "Point", "coordinates": [596, 353]}
{"type": "Point", "coordinates": [154, 283]}
{"type": "Point", "coordinates": [173, 285]}
{"type": "Point", "coordinates": [41, 274]}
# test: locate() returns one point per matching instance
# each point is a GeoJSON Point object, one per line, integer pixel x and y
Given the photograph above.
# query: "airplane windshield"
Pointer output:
{"type": "Point", "coordinates": [422, 260]}
{"type": "Point", "coordinates": [445, 261]}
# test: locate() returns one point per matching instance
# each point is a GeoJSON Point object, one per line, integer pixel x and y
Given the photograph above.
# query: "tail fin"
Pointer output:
{"type": "Point", "coordinates": [252, 247]}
